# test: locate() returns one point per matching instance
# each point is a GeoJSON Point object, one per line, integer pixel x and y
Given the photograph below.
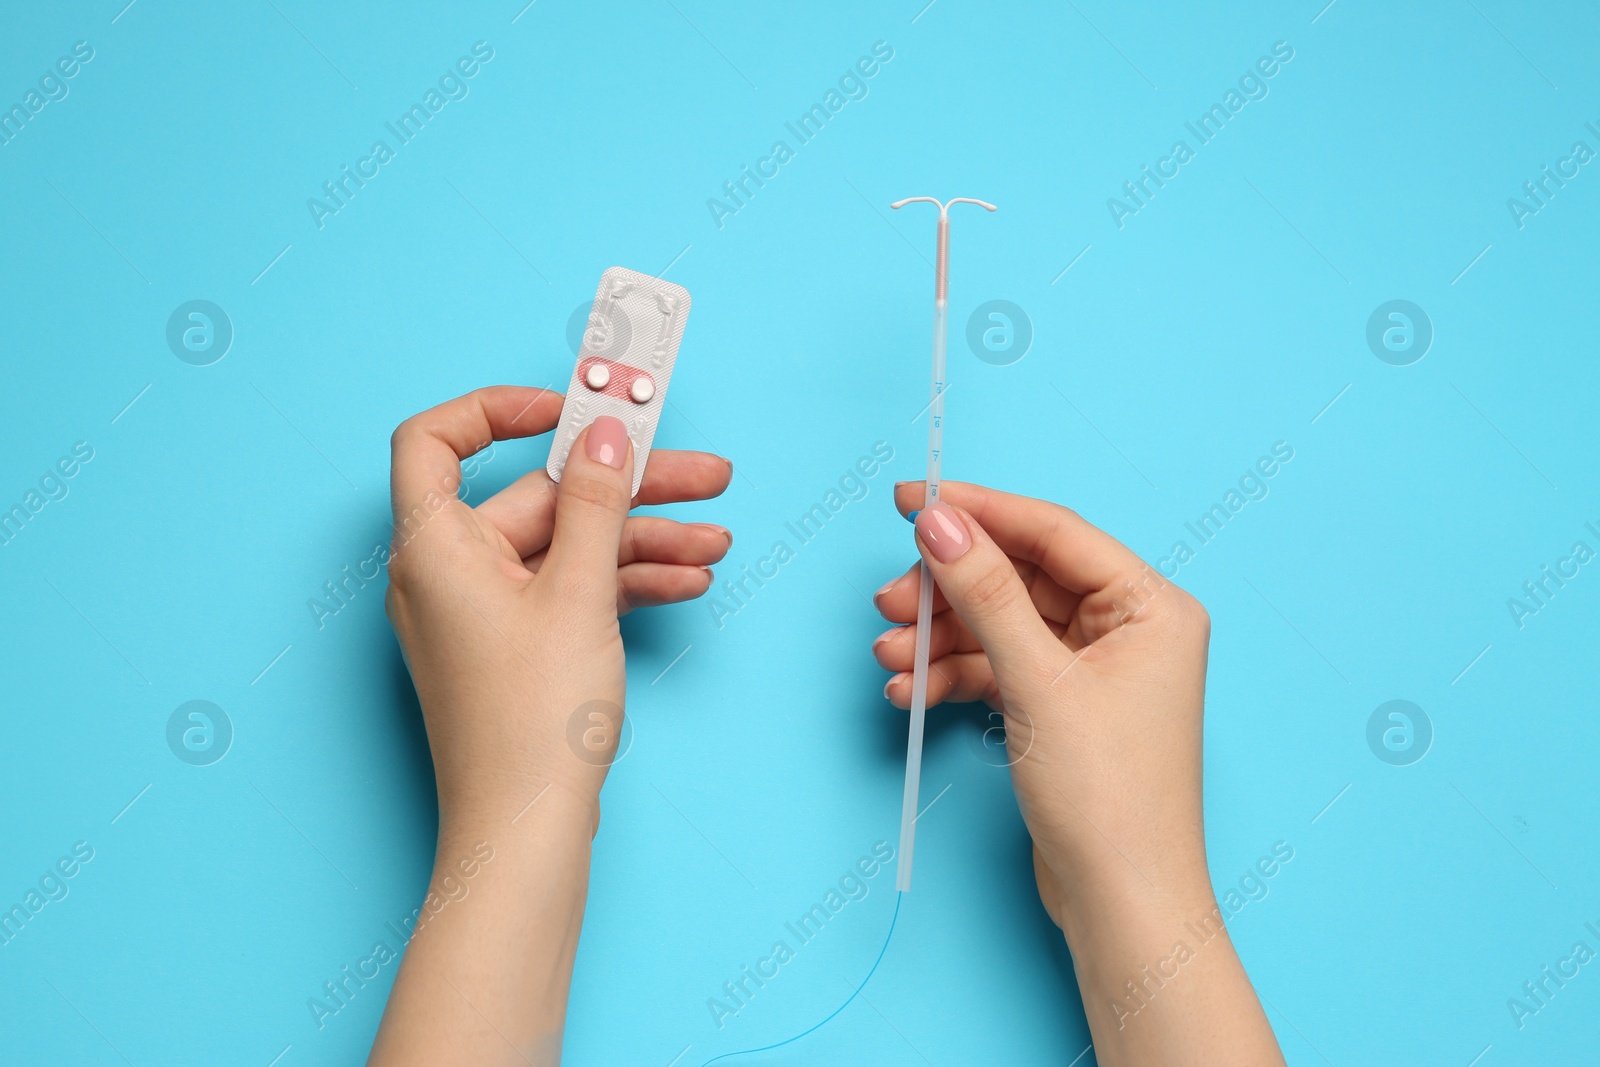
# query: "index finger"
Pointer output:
{"type": "Point", "coordinates": [1080, 556]}
{"type": "Point", "coordinates": [427, 449]}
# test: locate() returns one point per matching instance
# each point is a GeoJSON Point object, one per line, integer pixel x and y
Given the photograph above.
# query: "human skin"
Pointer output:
{"type": "Point", "coordinates": [1097, 664]}
{"type": "Point", "coordinates": [507, 616]}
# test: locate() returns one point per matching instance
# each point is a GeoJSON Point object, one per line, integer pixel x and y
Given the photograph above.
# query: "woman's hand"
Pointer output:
{"type": "Point", "coordinates": [507, 612]}
{"type": "Point", "coordinates": [507, 617]}
{"type": "Point", "coordinates": [1097, 664]}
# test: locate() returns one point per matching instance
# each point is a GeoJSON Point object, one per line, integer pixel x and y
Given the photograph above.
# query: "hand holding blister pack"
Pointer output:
{"type": "Point", "coordinates": [624, 364]}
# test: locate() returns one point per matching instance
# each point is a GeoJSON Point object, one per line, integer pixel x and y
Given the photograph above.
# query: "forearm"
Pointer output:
{"type": "Point", "coordinates": [1160, 979]}
{"type": "Point", "coordinates": [485, 978]}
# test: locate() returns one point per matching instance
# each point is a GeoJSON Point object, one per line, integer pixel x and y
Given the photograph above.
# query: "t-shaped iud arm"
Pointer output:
{"type": "Point", "coordinates": [941, 269]}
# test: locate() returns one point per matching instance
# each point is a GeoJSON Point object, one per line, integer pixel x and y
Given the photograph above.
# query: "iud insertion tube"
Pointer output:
{"type": "Point", "coordinates": [919, 678]}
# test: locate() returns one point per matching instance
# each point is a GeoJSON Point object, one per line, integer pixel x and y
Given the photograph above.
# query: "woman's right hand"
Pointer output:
{"type": "Point", "coordinates": [1097, 664]}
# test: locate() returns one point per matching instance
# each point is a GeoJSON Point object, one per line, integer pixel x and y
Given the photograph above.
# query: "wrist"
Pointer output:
{"type": "Point", "coordinates": [545, 807]}
{"type": "Point", "coordinates": [1158, 911]}
{"type": "Point", "coordinates": [522, 762]}
{"type": "Point", "coordinates": [1128, 893]}
{"type": "Point", "coordinates": [538, 850]}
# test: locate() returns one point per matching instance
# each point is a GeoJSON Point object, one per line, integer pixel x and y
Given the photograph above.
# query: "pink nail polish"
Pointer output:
{"type": "Point", "coordinates": [944, 533]}
{"type": "Point", "coordinates": [890, 584]}
{"type": "Point", "coordinates": [608, 441]}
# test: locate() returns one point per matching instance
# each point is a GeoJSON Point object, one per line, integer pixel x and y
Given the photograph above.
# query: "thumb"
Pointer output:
{"type": "Point", "coordinates": [592, 504]}
{"type": "Point", "coordinates": [983, 588]}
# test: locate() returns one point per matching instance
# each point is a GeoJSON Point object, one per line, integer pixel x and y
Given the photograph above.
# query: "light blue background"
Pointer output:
{"type": "Point", "coordinates": [1223, 317]}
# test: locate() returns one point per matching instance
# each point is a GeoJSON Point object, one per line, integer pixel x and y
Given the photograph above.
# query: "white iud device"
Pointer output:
{"type": "Point", "coordinates": [935, 409]}
{"type": "Point", "coordinates": [624, 363]}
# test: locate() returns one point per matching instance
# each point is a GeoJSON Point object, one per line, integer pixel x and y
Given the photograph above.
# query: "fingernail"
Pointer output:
{"type": "Point", "coordinates": [911, 516]}
{"type": "Point", "coordinates": [608, 441]}
{"type": "Point", "coordinates": [890, 584]}
{"type": "Point", "coordinates": [943, 532]}
{"type": "Point", "coordinates": [723, 530]}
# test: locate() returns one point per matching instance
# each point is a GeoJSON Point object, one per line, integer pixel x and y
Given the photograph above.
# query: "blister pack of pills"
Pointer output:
{"type": "Point", "coordinates": [624, 364]}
